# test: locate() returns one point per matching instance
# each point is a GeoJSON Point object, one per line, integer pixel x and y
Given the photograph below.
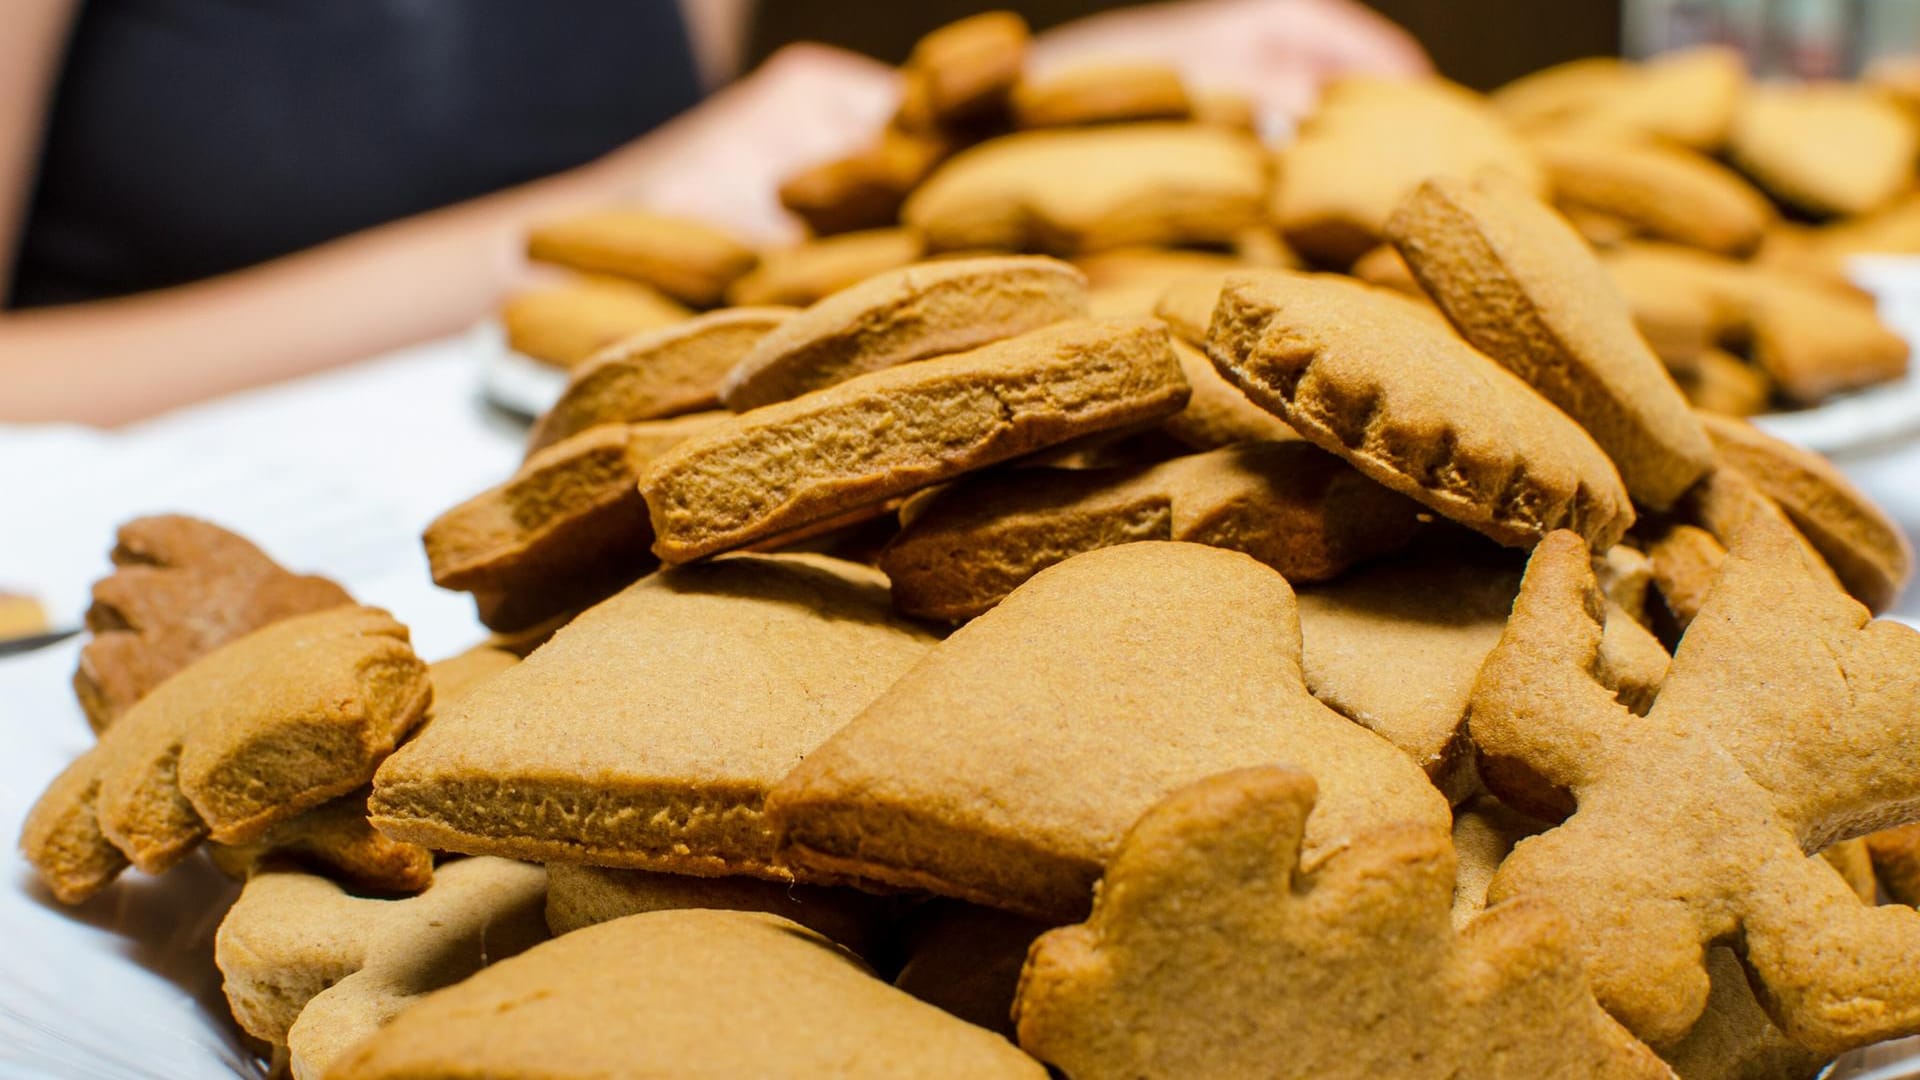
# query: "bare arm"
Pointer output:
{"type": "Point", "coordinates": [114, 361]}
{"type": "Point", "coordinates": [31, 48]}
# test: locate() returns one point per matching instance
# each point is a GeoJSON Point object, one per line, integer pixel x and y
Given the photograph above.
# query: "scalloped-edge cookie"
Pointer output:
{"type": "Point", "coordinates": [1525, 290]}
{"type": "Point", "coordinates": [1164, 662]}
{"type": "Point", "coordinates": [689, 260]}
{"type": "Point", "coordinates": [1215, 949]}
{"type": "Point", "coordinates": [657, 374]}
{"type": "Point", "coordinates": [1377, 379]}
{"type": "Point", "coordinates": [900, 316]}
{"type": "Point", "coordinates": [719, 994]}
{"type": "Point", "coordinates": [1290, 505]}
{"type": "Point", "coordinates": [1066, 191]}
{"type": "Point", "coordinates": [312, 969]}
{"type": "Point", "coordinates": [648, 731]}
{"type": "Point", "coordinates": [888, 433]}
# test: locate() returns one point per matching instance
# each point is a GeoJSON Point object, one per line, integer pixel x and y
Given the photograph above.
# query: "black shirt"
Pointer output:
{"type": "Point", "coordinates": [192, 137]}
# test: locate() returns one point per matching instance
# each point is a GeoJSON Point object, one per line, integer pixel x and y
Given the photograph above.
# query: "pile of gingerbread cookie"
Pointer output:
{"type": "Point", "coordinates": [1105, 646]}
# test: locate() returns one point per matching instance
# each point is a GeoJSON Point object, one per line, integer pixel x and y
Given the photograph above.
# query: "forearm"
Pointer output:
{"type": "Point", "coordinates": [114, 361]}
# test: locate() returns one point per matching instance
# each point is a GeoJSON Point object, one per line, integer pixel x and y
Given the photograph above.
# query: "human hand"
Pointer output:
{"type": "Point", "coordinates": [723, 160]}
{"type": "Point", "coordinates": [1279, 52]}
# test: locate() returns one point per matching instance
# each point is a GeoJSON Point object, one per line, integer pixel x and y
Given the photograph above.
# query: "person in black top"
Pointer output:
{"type": "Point", "coordinates": [202, 195]}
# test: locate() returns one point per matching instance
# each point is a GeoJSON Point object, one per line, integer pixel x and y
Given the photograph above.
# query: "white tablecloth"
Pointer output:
{"type": "Point", "coordinates": [338, 474]}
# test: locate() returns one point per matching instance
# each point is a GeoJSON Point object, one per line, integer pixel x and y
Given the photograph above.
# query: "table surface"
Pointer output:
{"type": "Point", "coordinates": [337, 474]}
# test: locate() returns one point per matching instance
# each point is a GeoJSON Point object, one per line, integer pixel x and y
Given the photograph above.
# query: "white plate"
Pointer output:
{"type": "Point", "coordinates": [515, 382]}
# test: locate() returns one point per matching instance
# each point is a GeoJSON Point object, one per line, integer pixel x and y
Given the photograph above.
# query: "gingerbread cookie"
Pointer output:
{"type": "Point", "coordinates": [582, 896]}
{"type": "Point", "coordinates": [1524, 289]}
{"type": "Point", "coordinates": [568, 529]}
{"type": "Point", "coordinates": [1688, 96]}
{"type": "Point", "coordinates": [1374, 378]}
{"type": "Point", "coordinates": [691, 261]}
{"type": "Point", "coordinates": [1781, 729]}
{"type": "Point", "coordinates": [1716, 381]}
{"type": "Point", "coordinates": [1867, 550]}
{"type": "Point", "coordinates": [961, 75]}
{"type": "Point", "coordinates": [882, 435]}
{"type": "Point", "coordinates": [1069, 191]}
{"type": "Point", "coordinates": [913, 313]}
{"type": "Point", "coordinates": [1217, 413]}
{"type": "Point", "coordinates": [181, 588]}
{"type": "Point", "coordinates": [313, 970]}
{"type": "Point", "coordinates": [1210, 922]}
{"type": "Point", "coordinates": [563, 325]}
{"type": "Point", "coordinates": [1827, 148]}
{"type": "Point", "coordinates": [816, 269]}
{"type": "Point", "coordinates": [253, 733]}
{"type": "Point", "coordinates": [1369, 145]}
{"type": "Point", "coordinates": [336, 840]}
{"type": "Point", "coordinates": [1662, 192]}
{"type": "Point", "coordinates": [864, 189]}
{"type": "Point", "coordinates": [1163, 663]}
{"type": "Point", "coordinates": [657, 373]}
{"type": "Point", "coordinates": [1103, 93]}
{"type": "Point", "coordinates": [1299, 510]}
{"type": "Point", "coordinates": [720, 994]}
{"type": "Point", "coordinates": [1896, 861]}
{"type": "Point", "coordinates": [1384, 267]}
{"type": "Point", "coordinates": [1547, 97]}
{"type": "Point", "coordinates": [647, 732]}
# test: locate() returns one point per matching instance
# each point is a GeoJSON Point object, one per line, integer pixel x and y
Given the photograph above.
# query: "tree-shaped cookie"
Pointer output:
{"type": "Point", "coordinates": [251, 735]}
{"type": "Point", "coordinates": [1210, 952]}
{"type": "Point", "coordinates": [1786, 723]}
{"type": "Point", "coordinates": [315, 969]}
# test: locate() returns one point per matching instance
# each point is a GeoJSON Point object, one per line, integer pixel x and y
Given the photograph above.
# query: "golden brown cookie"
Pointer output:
{"type": "Point", "coordinates": [966, 959]}
{"type": "Point", "coordinates": [1825, 252]}
{"type": "Point", "coordinates": [1376, 379]}
{"type": "Point", "coordinates": [1732, 1040]}
{"type": "Point", "coordinates": [813, 270]}
{"type": "Point", "coordinates": [1290, 505]}
{"type": "Point", "coordinates": [1069, 191]}
{"type": "Point", "coordinates": [1827, 148]}
{"type": "Point", "coordinates": [565, 324]}
{"type": "Point", "coordinates": [1102, 93]}
{"type": "Point", "coordinates": [581, 896]}
{"type": "Point", "coordinates": [1163, 663]}
{"type": "Point", "coordinates": [656, 374]}
{"type": "Point", "coordinates": [181, 588]}
{"type": "Point", "coordinates": [1716, 381]}
{"type": "Point", "coordinates": [1811, 338]}
{"type": "Point", "coordinates": [647, 732]}
{"type": "Point", "coordinates": [1866, 549]}
{"type": "Point", "coordinates": [1215, 949]}
{"type": "Point", "coordinates": [1384, 267]}
{"type": "Point", "coordinates": [1782, 728]}
{"type": "Point", "coordinates": [1663, 192]}
{"type": "Point", "coordinates": [900, 316]}
{"type": "Point", "coordinates": [1370, 145]}
{"type": "Point", "coordinates": [960, 75]}
{"type": "Point", "coordinates": [1896, 860]}
{"type": "Point", "coordinates": [720, 994]}
{"type": "Point", "coordinates": [1524, 289]}
{"type": "Point", "coordinates": [1227, 109]}
{"type": "Point", "coordinates": [864, 189]}
{"type": "Point", "coordinates": [258, 730]}
{"type": "Point", "coordinates": [335, 838]}
{"type": "Point", "coordinates": [1688, 96]}
{"type": "Point", "coordinates": [21, 616]}
{"type": "Point", "coordinates": [882, 435]}
{"type": "Point", "coordinates": [691, 261]}
{"type": "Point", "coordinates": [568, 528]}
{"type": "Point", "coordinates": [1546, 97]}
{"type": "Point", "coordinates": [312, 969]}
